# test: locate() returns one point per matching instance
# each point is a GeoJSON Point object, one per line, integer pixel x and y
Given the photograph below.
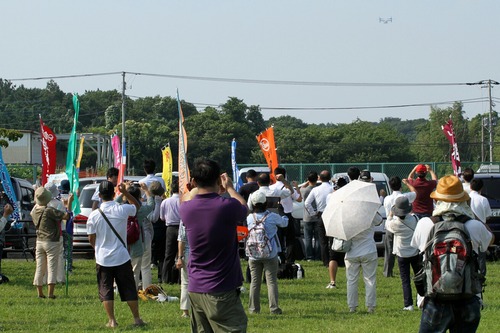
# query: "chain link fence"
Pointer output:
{"type": "Point", "coordinates": [300, 171]}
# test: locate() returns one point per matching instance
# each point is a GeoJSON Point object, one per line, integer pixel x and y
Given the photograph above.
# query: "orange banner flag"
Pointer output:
{"type": "Point", "coordinates": [268, 147]}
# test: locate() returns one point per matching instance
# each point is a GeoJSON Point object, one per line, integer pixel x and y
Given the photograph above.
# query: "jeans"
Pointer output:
{"type": "Point", "coordinates": [404, 271]}
{"type": "Point", "coordinates": [458, 316]}
{"type": "Point", "coordinates": [311, 231]}
{"type": "Point", "coordinates": [352, 268]}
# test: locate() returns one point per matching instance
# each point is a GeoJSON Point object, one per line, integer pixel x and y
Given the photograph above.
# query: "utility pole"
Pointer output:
{"type": "Point", "coordinates": [124, 86]}
{"type": "Point", "coordinates": [488, 84]}
{"type": "Point", "coordinates": [490, 120]}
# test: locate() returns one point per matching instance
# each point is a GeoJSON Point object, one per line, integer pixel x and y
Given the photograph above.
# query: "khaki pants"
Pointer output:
{"type": "Point", "coordinates": [217, 312]}
{"type": "Point", "coordinates": [47, 256]}
{"type": "Point", "coordinates": [270, 267]}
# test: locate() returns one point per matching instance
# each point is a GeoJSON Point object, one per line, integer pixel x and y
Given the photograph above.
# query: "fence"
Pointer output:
{"type": "Point", "coordinates": [300, 171]}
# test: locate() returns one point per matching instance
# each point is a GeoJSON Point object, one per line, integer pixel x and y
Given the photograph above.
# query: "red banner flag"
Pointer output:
{"type": "Point", "coordinates": [455, 157]}
{"type": "Point", "coordinates": [268, 147]}
{"type": "Point", "coordinates": [48, 151]}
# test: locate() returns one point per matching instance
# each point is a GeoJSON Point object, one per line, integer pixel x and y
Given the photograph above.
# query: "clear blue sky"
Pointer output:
{"type": "Point", "coordinates": [312, 41]}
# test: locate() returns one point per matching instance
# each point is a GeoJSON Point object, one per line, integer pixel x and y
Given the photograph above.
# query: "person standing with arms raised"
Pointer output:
{"type": "Point", "coordinates": [214, 265]}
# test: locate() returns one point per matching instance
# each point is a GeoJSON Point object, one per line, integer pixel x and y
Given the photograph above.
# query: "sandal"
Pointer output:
{"type": "Point", "coordinates": [42, 296]}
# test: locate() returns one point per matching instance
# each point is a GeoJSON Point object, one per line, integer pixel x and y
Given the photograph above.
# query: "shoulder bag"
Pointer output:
{"type": "Point", "coordinates": [112, 228]}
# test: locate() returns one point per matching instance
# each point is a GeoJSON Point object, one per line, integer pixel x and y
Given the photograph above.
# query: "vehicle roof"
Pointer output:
{"type": "Point", "coordinates": [377, 176]}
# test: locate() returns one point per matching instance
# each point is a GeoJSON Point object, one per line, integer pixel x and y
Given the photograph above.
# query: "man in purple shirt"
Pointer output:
{"type": "Point", "coordinates": [214, 265]}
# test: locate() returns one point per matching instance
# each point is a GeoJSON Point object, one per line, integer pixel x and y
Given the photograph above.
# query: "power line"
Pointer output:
{"type": "Point", "coordinates": [256, 81]}
{"type": "Point", "coordinates": [64, 76]}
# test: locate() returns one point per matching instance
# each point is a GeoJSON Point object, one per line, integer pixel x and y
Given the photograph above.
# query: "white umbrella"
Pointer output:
{"type": "Point", "coordinates": [351, 209]}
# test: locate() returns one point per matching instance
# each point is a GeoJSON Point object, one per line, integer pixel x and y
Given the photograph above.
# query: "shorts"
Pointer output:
{"type": "Point", "coordinates": [337, 256]}
{"type": "Point", "coordinates": [124, 278]}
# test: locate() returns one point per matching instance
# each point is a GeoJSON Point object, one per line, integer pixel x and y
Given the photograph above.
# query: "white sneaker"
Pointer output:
{"type": "Point", "coordinates": [408, 308]}
{"type": "Point", "coordinates": [371, 309]}
{"type": "Point", "coordinates": [331, 285]}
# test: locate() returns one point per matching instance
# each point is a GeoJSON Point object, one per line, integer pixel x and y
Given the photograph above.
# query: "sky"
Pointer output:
{"type": "Point", "coordinates": [320, 51]}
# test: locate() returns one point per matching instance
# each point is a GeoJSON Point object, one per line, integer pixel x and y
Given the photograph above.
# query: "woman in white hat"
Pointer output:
{"type": "Point", "coordinates": [47, 222]}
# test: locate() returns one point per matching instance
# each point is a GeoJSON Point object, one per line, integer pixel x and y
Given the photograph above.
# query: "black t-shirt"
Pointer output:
{"type": "Point", "coordinates": [248, 188]}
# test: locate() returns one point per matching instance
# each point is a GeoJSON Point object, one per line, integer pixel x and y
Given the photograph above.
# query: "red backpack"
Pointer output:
{"type": "Point", "coordinates": [133, 230]}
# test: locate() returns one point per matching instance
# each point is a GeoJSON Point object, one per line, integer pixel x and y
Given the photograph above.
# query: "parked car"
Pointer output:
{"type": "Point", "coordinates": [80, 237]}
{"type": "Point", "coordinates": [25, 195]}
{"type": "Point", "coordinates": [491, 190]}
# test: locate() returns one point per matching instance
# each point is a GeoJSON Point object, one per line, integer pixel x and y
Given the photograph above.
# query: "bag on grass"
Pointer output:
{"type": "Point", "coordinates": [451, 269]}
{"type": "Point", "coordinates": [291, 271]}
{"type": "Point", "coordinates": [258, 244]}
{"type": "Point", "coordinates": [133, 230]}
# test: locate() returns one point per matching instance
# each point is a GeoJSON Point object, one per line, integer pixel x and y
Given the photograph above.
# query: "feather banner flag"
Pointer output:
{"type": "Point", "coordinates": [268, 147]}
{"type": "Point", "coordinates": [166, 174]}
{"type": "Point", "coordinates": [48, 143]}
{"type": "Point", "coordinates": [8, 188]}
{"type": "Point", "coordinates": [115, 144]}
{"type": "Point", "coordinates": [123, 165]}
{"type": "Point", "coordinates": [454, 155]}
{"type": "Point", "coordinates": [74, 181]}
{"type": "Point", "coordinates": [80, 154]}
{"type": "Point", "coordinates": [236, 179]}
{"type": "Point", "coordinates": [184, 177]}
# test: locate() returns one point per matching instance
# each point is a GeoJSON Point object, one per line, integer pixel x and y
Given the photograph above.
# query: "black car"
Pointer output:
{"type": "Point", "coordinates": [25, 200]}
{"type": "Point", "coordinates": [491, 190]}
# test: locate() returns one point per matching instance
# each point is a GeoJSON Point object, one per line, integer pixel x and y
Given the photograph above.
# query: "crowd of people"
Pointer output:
{"type": "Point", "coordinates": [204, 257]}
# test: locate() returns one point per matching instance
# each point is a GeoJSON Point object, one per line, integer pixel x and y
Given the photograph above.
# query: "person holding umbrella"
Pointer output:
{"type": "Point", "coordinates": [350, 215]}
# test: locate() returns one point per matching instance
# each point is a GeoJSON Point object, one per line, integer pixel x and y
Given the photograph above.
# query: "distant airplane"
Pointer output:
{"type": "Point", "coordinates": [385, 20]}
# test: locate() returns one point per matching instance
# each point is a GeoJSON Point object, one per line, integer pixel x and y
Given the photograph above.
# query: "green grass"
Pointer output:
{"type": "Point", "coordinates": [307, 305]}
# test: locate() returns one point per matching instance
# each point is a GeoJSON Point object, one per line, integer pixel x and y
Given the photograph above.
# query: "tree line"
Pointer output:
{"type": "Point", "coordinates": [152, 122]}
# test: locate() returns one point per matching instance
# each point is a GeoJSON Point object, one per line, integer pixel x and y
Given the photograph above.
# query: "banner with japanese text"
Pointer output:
{"type": "Point", "coordinates": [455, 156]}
{"type": "Point", "coordinates": [73, 178]}
{"type": "Point", "coordinates": [183, 168]}
{"type": "Point", "coordinates": [268, 147]}
{"type": "Point", "coordinates": [48, 143]}
{"type": "Point", "coordinates": [166, 174]}
{"type": "Point", "coordinates": [115, 144]}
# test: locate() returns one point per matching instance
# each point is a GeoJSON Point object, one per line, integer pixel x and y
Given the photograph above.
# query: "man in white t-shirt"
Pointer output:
{"type": "Point", "coordinates": [107, 230]}
{"type": "Point", "coordinates": [451, 203]}
{"type": "Point", "coordinates": [149, 169]}
{"type": "Point", "coordinates": [389, 201]}
{"type": "Point", "coordinates": [479, 204]}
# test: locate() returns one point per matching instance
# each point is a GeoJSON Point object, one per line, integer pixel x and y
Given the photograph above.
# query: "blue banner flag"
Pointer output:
{"type": "Point", "coordinates": [236, 179]}
{"type": "Point", "coordinates": [8, 188]}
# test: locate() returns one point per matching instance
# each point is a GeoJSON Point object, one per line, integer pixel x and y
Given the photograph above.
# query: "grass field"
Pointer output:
{"type": "Point", "coordinates": [307, 305]}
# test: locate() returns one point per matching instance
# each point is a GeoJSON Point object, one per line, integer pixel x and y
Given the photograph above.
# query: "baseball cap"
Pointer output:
{"type": "Point", "coordinates": [365, 176]}
{"type": "Point", "coordinates": [421, 168]}
{"type": "Point", "coordinates": [258, 197]}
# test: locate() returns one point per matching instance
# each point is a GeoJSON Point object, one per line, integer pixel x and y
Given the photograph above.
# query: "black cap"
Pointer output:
{"type": "Point", "coordinates": [365, 176]}
{"type": "Point", "coordinates": [64, 186]}
{"type": "Point", "coordinates": [106, 188]}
